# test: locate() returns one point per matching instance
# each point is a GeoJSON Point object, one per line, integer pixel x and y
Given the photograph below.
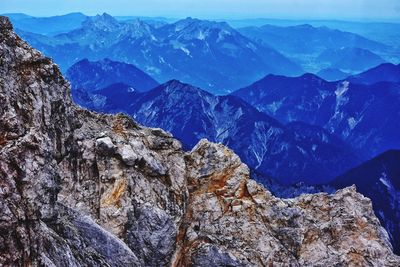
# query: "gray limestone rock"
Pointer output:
{"type": "Point", "coordinates": [154, 231]}
{"type": "Point", "coordinates": [106, 145]}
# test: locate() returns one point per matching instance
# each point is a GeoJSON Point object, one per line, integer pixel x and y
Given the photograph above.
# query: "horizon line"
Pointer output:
{"type": "Point", "coordinates": [232, 18]}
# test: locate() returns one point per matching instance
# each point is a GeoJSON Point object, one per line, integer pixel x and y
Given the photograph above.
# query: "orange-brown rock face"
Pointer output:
{"type": "Point", "coordinates": [232, 219]}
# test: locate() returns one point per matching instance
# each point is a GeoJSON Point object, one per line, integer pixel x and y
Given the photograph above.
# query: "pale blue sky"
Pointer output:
{"type": "Point", "coordinates": [286, 9]}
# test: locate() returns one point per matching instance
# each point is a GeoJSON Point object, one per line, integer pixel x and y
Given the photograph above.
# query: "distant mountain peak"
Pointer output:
{"type": "Point", "coordinates": [193, 23]}
{"type": "Point", "coordinates": [175, 82]}
{"type": "Point", "coordinates": [138, 28]}
{"type": "Point", "coordinates": [310, 76]}
{"type": "Point", "coordinates": [305, 76]}
{"type": "Point", "coordinates": [271, 76]}
{"type": "Point", "coordinates": [175, 85]}
{"type": "Point", "coordinates": [94, 75]}
{"type": "Point", "coordinates": [332, 74]}
{"type": "Point", "coordinates": [103, 22]}
{"type": "Point", "coordinates": [350, 58]}
{"type": "Point", "coordinates": [384, 72]}
{"type": "Point", "coordinates": [305, 26]}
{"type": "Point", "coordinates": [86, 61]}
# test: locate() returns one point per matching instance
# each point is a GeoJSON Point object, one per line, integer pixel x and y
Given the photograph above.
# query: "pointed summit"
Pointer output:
{"type": "Point", "coordinates": [104, 22]}
{"type": "Point", "coordinates": [176, 86]}
{"type": "Point", "coordinates": [310, 77]}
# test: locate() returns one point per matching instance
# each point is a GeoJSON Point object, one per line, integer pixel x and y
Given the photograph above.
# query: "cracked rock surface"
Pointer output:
{"type": "Point", "coordinates": [84, 189]}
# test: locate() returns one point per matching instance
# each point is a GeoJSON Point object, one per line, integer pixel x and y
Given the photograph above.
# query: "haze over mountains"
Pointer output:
{"type": "Point", "coordinates": [211, 55]}
{"type": "Point", "coordinates": [247, 89]}
{"type": "Point", "coordinates": [308, 46]}
{"type": "Point", "coordinates": [47, 25]}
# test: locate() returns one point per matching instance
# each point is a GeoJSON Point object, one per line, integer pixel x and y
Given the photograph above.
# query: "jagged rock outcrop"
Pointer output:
{"type": "Point", "coordinates": [85, 189]}
{"type": "Point", "coordinates": [230, 214]}
{"type": "Point", "coordinates": [105, 167]}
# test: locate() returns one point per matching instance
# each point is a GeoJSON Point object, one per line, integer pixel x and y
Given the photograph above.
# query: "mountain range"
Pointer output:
{"type": "Point", "coordinates": [209, 54]}
{"type": "Point", "coordinates": [387, 32]}
{"type": "Point", "coordinates": [344, 108]}
{"type": "Point", "coordinates": [293, 153]}
{"type": "Point", "coordinates": [291, 39]}
{"type": "Point", "coordinates": [350, 59]}
{"type": "Point", "coordinates": [323, 48]}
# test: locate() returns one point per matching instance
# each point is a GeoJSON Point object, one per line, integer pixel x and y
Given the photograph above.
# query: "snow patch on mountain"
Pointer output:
{"type": "Point", "coordinates": [342, 89]}
{"type": "Point", "coordinates": [352, 122]}
{"type": "Point", "coordinates": [185, 50]}
{"type": "Point", "coordinates": [384, 180]}
{"type": "Point", "coordinates": [222, 35]}
{"type": "Point", "coordinates": [201, 35]}
{"type": "Point", "coordinates": [274, 106]}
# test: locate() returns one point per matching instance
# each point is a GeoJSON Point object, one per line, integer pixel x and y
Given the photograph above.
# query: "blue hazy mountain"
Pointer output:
{"type": "Point", "coordinates": [304, 43]}
{"type": "Point", "coordinates": [350, 59]}
{"type": "Point", "coordinates": [97, 32]}
{"type": "Point", "coordinates": [290, 154]}
{"type": "Point", "coordinates": [112, 99]}
{"type": "Point", "coordinates": [292, 39]}
{"type": "Point", "coordinates": [16, 16]}
{"type": "Point", "coordinates": [291, 99]}
{"type": "Point", "coordinates": [47, 25]}
{"type": "Point", "coordinates": [366, 116]}
{"type": "Point", "coordinates": [379, 180]}
{"type": "Point", "coordinates": [383, 73]}
{"type": "Point", "coordinates": [383, 32]}
{"type": "Point", "coordinates": [91, 76]}
{"type": "Point", "coordinates": [208, 54]}
{"type": "Point", "coordinates": [331, 74]}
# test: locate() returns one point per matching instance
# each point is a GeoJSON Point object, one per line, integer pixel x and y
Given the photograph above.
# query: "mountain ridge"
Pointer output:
{"type": "Point", "coordinates": [386, 72]}
{"type": "Point", "coordinates": [345, 108]}
{"type": "Point", "coordinates": [191, 114]}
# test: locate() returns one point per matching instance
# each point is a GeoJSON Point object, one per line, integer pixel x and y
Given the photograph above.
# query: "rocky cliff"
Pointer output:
{"type": "Point", "coordinates": [85, 189]}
